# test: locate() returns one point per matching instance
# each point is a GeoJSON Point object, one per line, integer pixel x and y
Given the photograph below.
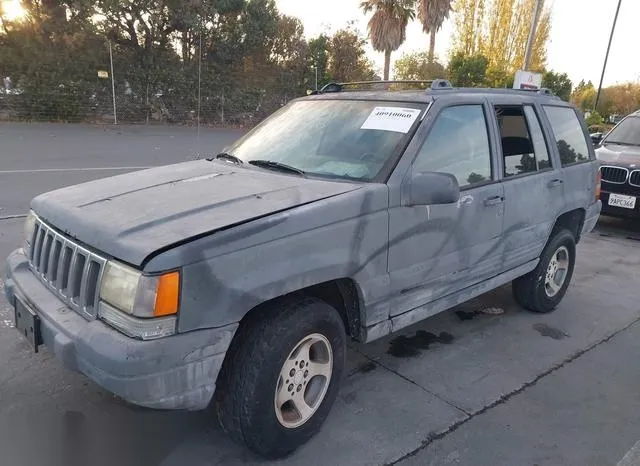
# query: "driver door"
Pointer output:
{"type": "Point", "coordinates": [437, 250]}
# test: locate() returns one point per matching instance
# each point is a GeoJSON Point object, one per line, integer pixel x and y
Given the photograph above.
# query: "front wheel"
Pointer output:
{"type": "Point", "coordinates": [542, 289]}
{"type": "Point", "coordinates": [281, 376]}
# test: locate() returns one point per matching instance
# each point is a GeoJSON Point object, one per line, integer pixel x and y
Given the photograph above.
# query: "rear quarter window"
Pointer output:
{"type": "Point", "coordinates": [568, 134]}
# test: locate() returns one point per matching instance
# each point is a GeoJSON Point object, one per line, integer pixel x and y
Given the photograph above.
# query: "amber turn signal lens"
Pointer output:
{"type": "Point", "coordinates": [167, 295]}
{"type": "Point", "coordinates": [598, 185]}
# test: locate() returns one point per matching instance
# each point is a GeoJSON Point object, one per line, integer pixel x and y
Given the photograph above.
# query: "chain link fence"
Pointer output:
{"type": "Point", "coordinates": [235, 99]}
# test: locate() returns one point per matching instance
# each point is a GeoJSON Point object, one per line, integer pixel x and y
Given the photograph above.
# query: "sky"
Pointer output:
{"type": "Point", "coordinates": [577, 46]}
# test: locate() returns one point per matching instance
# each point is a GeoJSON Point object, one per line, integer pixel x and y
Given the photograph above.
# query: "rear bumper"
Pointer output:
{"type": "Point", "coordinates": [177, 372]}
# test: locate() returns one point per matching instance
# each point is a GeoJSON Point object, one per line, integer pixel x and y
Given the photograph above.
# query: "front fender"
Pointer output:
{"type": "Point", "coordinates": [343, 238]}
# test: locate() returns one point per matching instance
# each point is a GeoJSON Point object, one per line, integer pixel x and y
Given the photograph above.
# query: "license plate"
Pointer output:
{"type": "Point", "coordinates": [28, 324]}
{"type": "Point", "coordinates": [626, 202]}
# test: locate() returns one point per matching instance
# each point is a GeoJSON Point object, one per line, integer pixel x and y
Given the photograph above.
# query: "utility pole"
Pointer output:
{"type": "Point", "coordinates": [113, 86]}
{"type": "Point", "coordinates": [316, 67]}
{"type": "Point", "coordinates": [606, 57]}
{"type": "Point", "coordinates": [532, 34]}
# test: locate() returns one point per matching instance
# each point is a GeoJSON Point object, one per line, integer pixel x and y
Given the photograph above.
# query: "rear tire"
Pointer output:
{"type": "Point", "coordinates": [542, 289]}
{"type": "Point", "coordinates": [281, 375]}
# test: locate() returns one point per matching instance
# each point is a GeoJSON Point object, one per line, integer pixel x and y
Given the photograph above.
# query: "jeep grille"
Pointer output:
{"type": "Point", "coordinates": [72, 272]}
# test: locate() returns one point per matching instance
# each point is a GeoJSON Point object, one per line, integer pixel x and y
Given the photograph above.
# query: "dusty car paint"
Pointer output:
{"type": "Point", "coordinates": [242, 236]}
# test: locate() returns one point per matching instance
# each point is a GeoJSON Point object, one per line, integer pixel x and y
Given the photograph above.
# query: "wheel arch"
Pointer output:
{"type": "Point", "coordinates": [573, 220]}
{"type": "Point", "coordinates": [343, 294]}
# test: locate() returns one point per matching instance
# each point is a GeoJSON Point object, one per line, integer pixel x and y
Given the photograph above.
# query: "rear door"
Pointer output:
{"type": "Point", "coordinates": [532, 180]}
{"type": "Point", "coordinates": [437, 250]}
{"type": "Point", "coordinates": [576, 155]}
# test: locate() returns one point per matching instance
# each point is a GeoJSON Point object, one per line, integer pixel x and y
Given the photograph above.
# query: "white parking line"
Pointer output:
{"type": "Point", "coordinates": [45, 170]}
{"type": "Point", "coordinates": [10, 217]}
{"type": "Point", "coordinates": [632, 458]}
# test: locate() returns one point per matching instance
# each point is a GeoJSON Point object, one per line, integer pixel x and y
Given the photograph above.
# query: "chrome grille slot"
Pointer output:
{"type": "Point", "coordinates": [54, 258]}
{"type": "Point", "coordinates": [44, 256]}
{"type": "Point", "coordinates": [91, 283]}
{"type": "Point", "coordinates": [77, 272]}
{"type": "Point", "coordinates": [616, 175]}
{"type": "Point", "coordinates": [634, 178]}
{"type": "Point", "coordinates": [37, 246]}
{"type": "Point", "coordinates": [72, 272]}
{"type": "Point", "coordinates": [65, 267]}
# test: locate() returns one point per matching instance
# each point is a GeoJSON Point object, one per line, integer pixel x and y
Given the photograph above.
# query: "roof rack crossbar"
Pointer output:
{"type": "Point", "coordinates": [339, 87]}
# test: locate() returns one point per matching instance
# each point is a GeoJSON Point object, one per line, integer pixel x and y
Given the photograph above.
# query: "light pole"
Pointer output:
{"type": "Point", "coordinates": [532, 34]}
{"type": "Point", "coordinates": [606, 57]}
{"type": "Point", "coordinates": [113, 86]}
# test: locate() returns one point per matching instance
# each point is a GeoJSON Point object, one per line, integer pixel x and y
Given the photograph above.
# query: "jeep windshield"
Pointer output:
{"type": "Point", "coordinates": [350, 139]}
{"type": "Point", "coordinates": [627, 133]}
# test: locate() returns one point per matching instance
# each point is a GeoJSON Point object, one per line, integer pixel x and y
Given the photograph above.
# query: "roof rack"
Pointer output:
{"type": "Point", "coordinates": [434, 84]}
{"type": "Point", "coordinates": [541, 90]}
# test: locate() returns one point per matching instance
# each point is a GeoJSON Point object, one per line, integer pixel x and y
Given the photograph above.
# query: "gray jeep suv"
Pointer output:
{"type": "Point", "coordinates": [236, 281]}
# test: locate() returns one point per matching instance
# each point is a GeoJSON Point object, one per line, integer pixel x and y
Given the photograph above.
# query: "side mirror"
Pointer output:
{"type": "Point", "coordinates": [429, 188]}
{"type": "Point", "coordinates": [596, 138]}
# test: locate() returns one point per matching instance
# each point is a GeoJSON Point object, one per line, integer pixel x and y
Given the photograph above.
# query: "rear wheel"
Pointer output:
{"type": "Point", "coordinates": [542, 289]}
{"type": "Point", "coordinates": [281, 376]}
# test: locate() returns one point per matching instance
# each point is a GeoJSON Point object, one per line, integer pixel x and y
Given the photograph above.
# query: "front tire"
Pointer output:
{"type": "Point", "coordinates": [281, 375]}
{"type": "Point", "coordinates": [542, 289]}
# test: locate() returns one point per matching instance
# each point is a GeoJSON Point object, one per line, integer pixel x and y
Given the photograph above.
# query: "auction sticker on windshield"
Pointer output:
{"type": "Point", "coordinates": [396, 119]}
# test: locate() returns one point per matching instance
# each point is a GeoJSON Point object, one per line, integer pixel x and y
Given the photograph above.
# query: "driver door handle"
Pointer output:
{"type": "Point", "coordinates": [555, 183]}
{"type": "Point", "coordinates": [495, 200]}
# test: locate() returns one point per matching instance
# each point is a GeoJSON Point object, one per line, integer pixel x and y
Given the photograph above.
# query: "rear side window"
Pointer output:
{"type": "Point", "coordinates": [568, 134]}
{"type": "Point", "coordinates": [458, 144]}
{"type": "Point", "coordinates": [523, 147]}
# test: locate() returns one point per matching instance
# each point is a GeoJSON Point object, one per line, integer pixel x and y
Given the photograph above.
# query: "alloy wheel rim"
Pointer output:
{"type": "Point", "coordinates": [557, 271]}
{"type": "Point", "coordinates": [303, 381]}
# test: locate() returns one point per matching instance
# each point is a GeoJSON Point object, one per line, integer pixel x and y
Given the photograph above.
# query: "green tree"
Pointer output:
{"type": "Point", "coordinates": [558, 83]}
{"type": "Point", "coordinates": [468, 71]}
{"type": "Point", "coordinates": [469, 19]}
{"type": "Point", "coordinates": [432, 13]}
{"type": "Point", "coordinates": [418, 66]}
{"type": "Point", "coordinates": [584, 95]}
{"type": "Point", "coordinates": [52, 57]}
{"type": "Point", "coordinates": [594, 119]}
{"type": "Point", "coordinates": [388, 25]}
{"type": "Point", "coordinates": [348, 58]}
{"type": "Point", "coordinates": [318, 60]}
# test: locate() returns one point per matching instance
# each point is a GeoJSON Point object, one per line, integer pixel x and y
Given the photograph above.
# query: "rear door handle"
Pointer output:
{"type": "Point", "coordinates": [554, 183]}
{"type": "Point", "coordinates": [495, 200]}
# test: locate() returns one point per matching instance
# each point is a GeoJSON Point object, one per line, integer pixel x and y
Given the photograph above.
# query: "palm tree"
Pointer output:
{"type": "Point", "coordinates": [388, 25]}
{"type": "Point", "coordinates": [432, 14]}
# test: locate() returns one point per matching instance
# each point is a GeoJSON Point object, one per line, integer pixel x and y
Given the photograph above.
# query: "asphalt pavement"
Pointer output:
{"type": "Point", "coordinates": [462, 388]}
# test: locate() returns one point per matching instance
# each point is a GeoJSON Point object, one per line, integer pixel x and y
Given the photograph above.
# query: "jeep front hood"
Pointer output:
{"type": "Point", "coordinates": [133, 215]}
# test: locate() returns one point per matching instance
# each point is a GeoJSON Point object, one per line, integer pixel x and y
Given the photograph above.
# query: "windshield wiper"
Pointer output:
{"type": "Point", "coordinates": [273, 165]}
{"type": "Point", "coordinates": [228, 157]}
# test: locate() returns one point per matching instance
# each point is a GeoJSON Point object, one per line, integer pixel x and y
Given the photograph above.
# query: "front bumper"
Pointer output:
{"type": "Point", "coordinates": [176, 372]}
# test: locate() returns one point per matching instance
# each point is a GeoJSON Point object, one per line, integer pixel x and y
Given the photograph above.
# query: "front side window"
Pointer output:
{"type": "Point", "coordinates": [523, 146]}
{"type": "Point", "coordinates": [332, 138]}
{"type": "Point", "coordinates": [458, 143]}
{"type": "Point", "coordinates": [570, 139]}
{"type": "Point", "coordinates": [626, 133]}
